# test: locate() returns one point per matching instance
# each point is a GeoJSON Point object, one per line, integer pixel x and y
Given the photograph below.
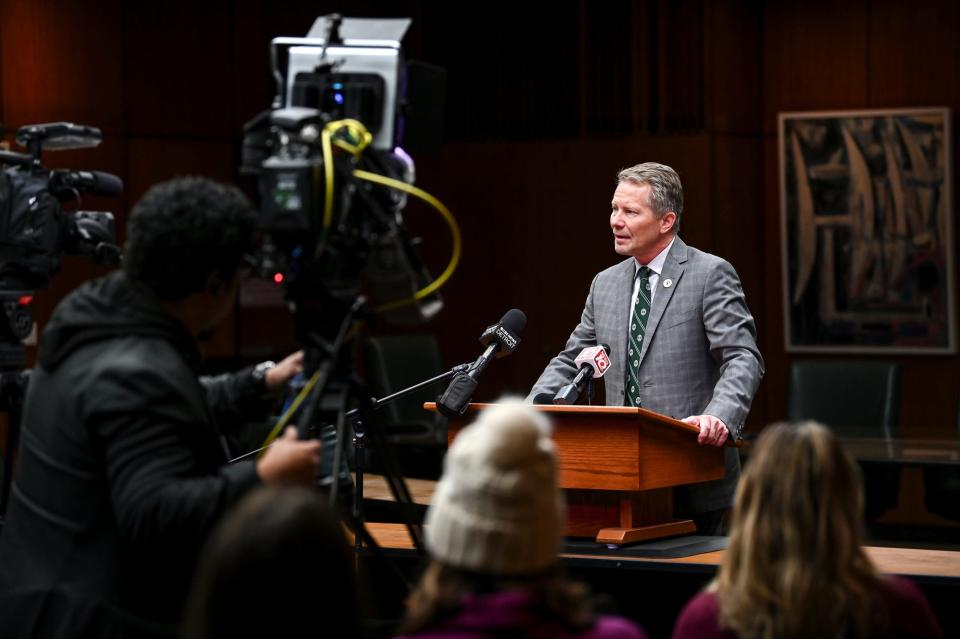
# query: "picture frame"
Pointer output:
{"type": "Point", "coordinates": [867, 231]}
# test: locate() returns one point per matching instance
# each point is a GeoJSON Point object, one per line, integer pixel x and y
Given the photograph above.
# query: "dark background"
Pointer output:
{"type": "Point", "coordinates": [546, 102]}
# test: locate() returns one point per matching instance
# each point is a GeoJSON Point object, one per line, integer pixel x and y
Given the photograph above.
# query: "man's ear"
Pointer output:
{"type": "Point", "coordinates": [668, 221]}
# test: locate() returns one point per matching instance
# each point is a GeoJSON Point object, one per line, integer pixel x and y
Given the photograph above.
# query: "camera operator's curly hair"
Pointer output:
{"type": "Point", "coordinates": [183, 230]}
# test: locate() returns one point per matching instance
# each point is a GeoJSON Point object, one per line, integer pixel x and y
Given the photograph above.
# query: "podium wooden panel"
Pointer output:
{"type": "Point", "coordinates": [618, 466]}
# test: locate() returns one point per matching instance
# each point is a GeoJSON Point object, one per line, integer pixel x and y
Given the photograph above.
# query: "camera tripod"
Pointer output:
{"type": "Point", "coordinates": [339, 389]}
{"type": "Point", "coordinates": [13, 378]}
{"type": "Point", "coordinates": [335, 398]}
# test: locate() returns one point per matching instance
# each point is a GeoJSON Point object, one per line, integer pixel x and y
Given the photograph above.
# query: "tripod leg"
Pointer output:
{"type": "Point", "coordinates": [11, 389]}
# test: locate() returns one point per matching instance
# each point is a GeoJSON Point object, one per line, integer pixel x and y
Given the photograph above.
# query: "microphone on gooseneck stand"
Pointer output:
{"type": "Point", "coordinates": [500, 340]}
{"type": "Point", "coordinates": [593, 363]}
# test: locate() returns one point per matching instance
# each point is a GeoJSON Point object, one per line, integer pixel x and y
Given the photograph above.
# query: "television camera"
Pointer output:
{"type": "Point", "coordinates": [35, 232]}
{"type": "Point", "coordinates": [333, 182]}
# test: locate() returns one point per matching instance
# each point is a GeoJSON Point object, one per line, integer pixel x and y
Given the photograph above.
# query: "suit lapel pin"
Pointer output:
{"type": "Point", "coordinates": [667, 283]}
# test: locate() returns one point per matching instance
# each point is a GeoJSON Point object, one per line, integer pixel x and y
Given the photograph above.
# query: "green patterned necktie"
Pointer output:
{"type": "Point", "coordinates": [638, 324]}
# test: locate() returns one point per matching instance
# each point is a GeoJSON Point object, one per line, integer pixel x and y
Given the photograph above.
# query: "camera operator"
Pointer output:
{"type": "Point", "coordinates": [121, 473]}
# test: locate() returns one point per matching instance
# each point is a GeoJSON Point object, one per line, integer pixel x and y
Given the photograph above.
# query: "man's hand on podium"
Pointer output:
{"type": "Point", "coordinates": [713, 431]}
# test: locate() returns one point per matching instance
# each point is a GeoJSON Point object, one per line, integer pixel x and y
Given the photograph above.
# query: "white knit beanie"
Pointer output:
{"type": "Point", "coordinates": [497, 508]}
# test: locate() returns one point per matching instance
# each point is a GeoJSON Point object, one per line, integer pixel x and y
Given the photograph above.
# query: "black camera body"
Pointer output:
{"type": "Point", "coordinates": [35, 231]}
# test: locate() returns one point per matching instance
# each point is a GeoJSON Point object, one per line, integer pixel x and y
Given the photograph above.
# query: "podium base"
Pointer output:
{"type": "Point", "coordinates": [620, 536]}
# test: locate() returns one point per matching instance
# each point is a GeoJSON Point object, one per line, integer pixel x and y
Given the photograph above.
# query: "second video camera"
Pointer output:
{"type": "Point", "coordinates": [34, 229]}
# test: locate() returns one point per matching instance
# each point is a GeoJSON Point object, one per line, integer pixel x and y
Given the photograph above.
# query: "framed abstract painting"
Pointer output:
{"type": "Point", "coordinates": [867, 231]}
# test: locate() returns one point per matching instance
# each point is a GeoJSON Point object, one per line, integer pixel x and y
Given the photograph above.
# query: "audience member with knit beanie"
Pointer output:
{"type": "Point", "coordinates": [493, 531]}
{"type": "Point", "coordinates": [795, 567]}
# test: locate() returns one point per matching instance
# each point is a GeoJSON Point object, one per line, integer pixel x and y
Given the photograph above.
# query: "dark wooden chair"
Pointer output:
{"type": "Point", "coordinates": [855, 399]}
{"type": "Point", "coordinates": [392, 364]}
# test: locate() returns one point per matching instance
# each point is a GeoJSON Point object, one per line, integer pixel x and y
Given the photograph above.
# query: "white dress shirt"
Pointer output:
{"type": "Point", "coordinates": [655, 265]}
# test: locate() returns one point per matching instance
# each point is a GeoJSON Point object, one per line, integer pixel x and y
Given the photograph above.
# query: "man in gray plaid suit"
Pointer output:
{"type": "Point", "coordinates": [682, 340]}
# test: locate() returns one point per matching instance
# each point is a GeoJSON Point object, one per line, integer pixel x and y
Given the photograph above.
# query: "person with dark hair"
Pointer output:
{"type": "Point", "coordinates": [121, 473]}
{"type": "Point", "coordinates": [277, 566]}
{"type": "Point", "coordinates": [795, 567]}
{"type": "Point", "coordinates": [493, 531]}
{"type": "Point", "coordinates": [682, 341]}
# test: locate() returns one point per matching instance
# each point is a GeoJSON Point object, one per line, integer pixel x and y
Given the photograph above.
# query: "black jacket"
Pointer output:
{"type": "Point", "coordinates": [120, 473]}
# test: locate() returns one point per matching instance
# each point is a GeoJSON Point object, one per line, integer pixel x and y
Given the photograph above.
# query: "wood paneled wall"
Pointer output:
{"type": "Point", "coordinates": [544, 107]}
{"type": "Point", "coordinates": [855, 55]}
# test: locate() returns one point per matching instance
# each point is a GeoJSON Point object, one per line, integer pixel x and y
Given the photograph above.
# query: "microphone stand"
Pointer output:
{"type": "Point", "coordinates": [570, 393]}
{"type": "Point", "coordinates": [398, 487]}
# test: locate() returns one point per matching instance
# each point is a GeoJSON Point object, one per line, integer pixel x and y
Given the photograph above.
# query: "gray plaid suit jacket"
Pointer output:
{"type": "Point", "coordinates": [699, 354]}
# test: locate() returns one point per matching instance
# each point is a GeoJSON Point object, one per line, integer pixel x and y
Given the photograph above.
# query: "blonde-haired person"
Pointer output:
{"type": "Point", "coordinates": [493, 531]}
{"type": "Point", "coordinates": [795, 566]}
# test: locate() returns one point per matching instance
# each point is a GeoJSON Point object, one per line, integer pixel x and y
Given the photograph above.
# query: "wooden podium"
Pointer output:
{"type": "Point", "coordinates": [618, 466]}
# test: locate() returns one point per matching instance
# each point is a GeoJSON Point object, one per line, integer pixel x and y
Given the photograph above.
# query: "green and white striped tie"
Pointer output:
{"type": "Point", "coordinates": [638, 324]}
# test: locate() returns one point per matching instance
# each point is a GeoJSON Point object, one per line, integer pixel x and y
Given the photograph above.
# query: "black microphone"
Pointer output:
{"type": "Point", "coordinates": [95, 182]}
{"type": "Point", "coordinates": [500, 340]}
{"type": "Point", "coordinates": [594, 363]}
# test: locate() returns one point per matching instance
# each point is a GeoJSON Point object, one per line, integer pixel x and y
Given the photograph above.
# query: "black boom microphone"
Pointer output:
{"type": "Point", "coordinates": [500, 340]}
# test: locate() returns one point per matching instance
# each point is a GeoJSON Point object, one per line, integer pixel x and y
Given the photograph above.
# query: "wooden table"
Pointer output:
{"type": "Point", "coordinates": [904, 452]}
{"type": "Point", "coordinates": [911, 562]}
{"type": "Point", "coordinates": [895, 450]}
{"type": "Point", "coordinates": [900, 561]}
{"type": "Point", "coordinates": [375, 487]}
